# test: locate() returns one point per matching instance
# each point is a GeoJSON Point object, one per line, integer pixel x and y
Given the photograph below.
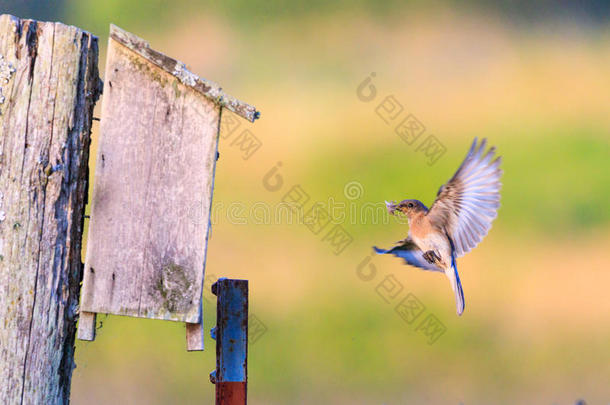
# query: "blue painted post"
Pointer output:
{"type": "Point", "coordinates": [231, 334]}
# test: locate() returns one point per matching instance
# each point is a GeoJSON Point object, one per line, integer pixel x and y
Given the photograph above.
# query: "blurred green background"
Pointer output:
{"type": "Point", "coordinates": [534, 78]}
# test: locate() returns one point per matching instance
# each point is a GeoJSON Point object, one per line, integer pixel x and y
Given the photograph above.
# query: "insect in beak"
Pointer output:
{"type": "Point", "coordinates": [391, 207]}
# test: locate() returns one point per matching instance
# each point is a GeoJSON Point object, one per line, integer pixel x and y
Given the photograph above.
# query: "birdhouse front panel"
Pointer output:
{"type": "Point", "coordinates": [152, 193]}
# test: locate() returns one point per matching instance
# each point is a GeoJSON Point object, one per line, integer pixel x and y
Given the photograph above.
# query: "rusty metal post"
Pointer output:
{"type": "Point", "coordinates": [231, 334]}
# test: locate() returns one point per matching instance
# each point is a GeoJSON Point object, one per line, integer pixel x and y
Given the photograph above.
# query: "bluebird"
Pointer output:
{"type": "Point", "coordinates": [456, 222]}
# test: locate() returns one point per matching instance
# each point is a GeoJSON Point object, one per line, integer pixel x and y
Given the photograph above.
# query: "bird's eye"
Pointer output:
{"type": "Point", "coordinates": [410, 205]}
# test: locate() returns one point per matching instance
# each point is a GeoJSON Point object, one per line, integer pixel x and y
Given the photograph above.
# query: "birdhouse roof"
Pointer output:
{"type": "Point", "coordinates": [178, 69]}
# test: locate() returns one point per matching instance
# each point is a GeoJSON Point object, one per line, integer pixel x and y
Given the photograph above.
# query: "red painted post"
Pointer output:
{"type": "Point", "coordinates": [231, 393]}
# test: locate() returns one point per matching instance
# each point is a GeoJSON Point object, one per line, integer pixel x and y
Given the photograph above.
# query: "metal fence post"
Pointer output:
{"type": "Point", "coordinates": [231, 334]}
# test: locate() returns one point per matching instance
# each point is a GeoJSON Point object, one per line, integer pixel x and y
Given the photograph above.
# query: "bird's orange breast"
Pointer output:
{"type": "Point", "coordinates": [420, 226]}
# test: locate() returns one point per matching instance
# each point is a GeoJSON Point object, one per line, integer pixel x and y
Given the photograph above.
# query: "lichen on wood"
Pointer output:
{"type": "Point", "coordinates": [6, 71]}
{"type": "Point", "coordinates": [178, 69]}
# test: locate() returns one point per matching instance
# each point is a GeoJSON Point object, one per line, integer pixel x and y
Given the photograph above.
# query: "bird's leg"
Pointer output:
{"type": "Point", "coordinates": [431, 256]}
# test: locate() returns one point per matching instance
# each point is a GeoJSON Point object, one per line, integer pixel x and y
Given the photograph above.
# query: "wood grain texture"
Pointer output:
{"type": "Point", "coordinates": [152, 193]}
{"type": "Point", "coordinates": [86, 325]}
{"type": "Point", "coordinates": [194, 336]}
{"type": "Point", "coordinates": [49, 86]}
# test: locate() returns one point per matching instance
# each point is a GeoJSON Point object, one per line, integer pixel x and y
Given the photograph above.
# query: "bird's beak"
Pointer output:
{"type": "Point", "coordinates": [391, 206]}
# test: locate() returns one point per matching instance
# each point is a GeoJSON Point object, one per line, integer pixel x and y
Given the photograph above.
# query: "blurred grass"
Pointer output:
{"type": "Point", "coordinates": [535, 328]}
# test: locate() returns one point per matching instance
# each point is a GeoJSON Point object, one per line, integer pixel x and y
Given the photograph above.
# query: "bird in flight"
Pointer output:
{"type": "Point", "coordinates": [456, 222]}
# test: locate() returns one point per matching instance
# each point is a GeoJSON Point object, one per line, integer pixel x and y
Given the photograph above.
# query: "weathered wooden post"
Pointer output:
{"type": "Point", "coordinates": [48, 86]}
{"type": "Point", "coordinates": [231, 334]}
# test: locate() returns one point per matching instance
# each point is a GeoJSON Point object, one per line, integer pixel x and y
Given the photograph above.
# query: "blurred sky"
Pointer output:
{"type": "Point", "coordinates": [532, 77]}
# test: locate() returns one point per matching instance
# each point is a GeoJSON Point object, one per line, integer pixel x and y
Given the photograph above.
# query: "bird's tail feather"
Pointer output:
{"type": "Point", "coordinates": [456, 285]}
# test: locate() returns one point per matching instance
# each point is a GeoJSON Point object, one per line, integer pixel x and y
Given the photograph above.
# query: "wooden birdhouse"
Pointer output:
{"type": "Point", "coordinates": [152, 191]}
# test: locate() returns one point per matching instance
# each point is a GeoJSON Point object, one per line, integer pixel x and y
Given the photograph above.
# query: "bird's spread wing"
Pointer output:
{"type": "Point", "coordinates": [468, 203]}
{"type": "Point", "coordinates": [410, 253]}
